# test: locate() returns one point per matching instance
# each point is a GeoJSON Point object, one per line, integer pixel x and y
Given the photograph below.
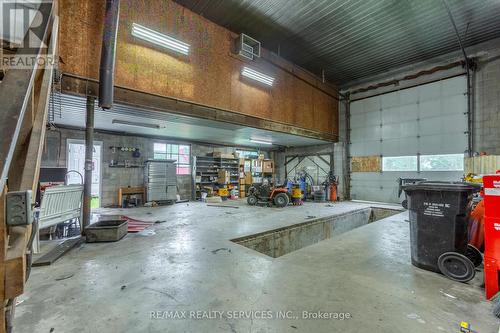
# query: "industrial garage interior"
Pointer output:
{"type": "Point", "coordinates": [250, 166]}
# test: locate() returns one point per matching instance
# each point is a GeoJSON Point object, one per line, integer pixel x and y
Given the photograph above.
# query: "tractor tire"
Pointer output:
{"type": "Point", "coordinates": [281, 200]}
{"type": "Point", "coordinates": [252, 200]}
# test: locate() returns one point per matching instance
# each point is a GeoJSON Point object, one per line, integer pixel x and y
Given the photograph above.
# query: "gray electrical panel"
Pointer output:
{"type": "Point", "coordinates": [19, 208]}
{"type": "Point", "coordinates": [161, 181]}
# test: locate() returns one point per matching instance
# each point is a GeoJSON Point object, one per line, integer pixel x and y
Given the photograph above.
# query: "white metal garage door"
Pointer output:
{"type": "Point", "coordinates": [419, 125]}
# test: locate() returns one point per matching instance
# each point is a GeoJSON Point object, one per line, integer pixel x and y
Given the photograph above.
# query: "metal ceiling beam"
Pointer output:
{"type": "Point", "coordinates": [86, 87]}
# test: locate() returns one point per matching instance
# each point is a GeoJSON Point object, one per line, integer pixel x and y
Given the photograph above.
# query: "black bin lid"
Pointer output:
{"type": "Point", "coordinates": [443, 186]}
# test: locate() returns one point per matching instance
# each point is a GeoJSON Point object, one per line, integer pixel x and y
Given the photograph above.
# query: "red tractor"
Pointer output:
{"type": "Point", "coordinates": [265, 194]}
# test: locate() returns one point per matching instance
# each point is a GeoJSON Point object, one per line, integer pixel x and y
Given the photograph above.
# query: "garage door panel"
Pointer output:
{"type": "Point", "coordinates": [390, 147]}
{"type": "Point", "coordinates": [408, 146]}
{"type": "Point", "coordinates": [371, 104]}
{"type": "Point", "coordinates": [373, 119]}
{"type": "Point", "coordinates": [429, 109]}
{"type": "Point", "coordinates": [409, 129]}
{"type": "Point", "coordinates": [391, 115]}
{"type": "Point", "coordinates": [370, 186]}
{"type": "Point", "coordinates": [434, 144]}
{"type": "Point", "coordinates": [454, 104]}
{"type": "Point", "coordinates": [454, 123]}
{"type": "Point", "coordinates": [391, 131]}
{"type": "Point", "coordinates": [357, 148]}
{"type": "Point", "coordinates": [389, 100]}
{"type": "Point", "coordinates": [358, 120]}
{"type": "Point", "coordinates": [430, 126]}
{"type": "Point", "coordinates": [408, 96]}
{"type": "Point", "coordinates": [357, 134]}
{"type": "Point", "coordinates": [408, 112]}
{"type": "Point", "coordinates": [454, 86]}
{"type": "Point", "coordinates": [357, 108]}
{"type": "Point", "coordinates": [429, 91]}
{"type": "Point", "coordinates": [372, 148]}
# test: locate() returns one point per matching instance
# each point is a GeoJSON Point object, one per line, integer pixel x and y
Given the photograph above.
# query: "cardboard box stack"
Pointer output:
{"type": "Point", "coordinates": [242, 188]}
{"type": "Point", "coordinates": [248, 178]}
{"type": "Point", "coordinates": [268, 166]}
{"type": "Point", "coordinates": [224, 177]}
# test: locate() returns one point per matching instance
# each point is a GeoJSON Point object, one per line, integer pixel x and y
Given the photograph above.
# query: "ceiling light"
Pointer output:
{"type": "Point", "coordinates": [257, 76]}
{"type": "Point", "coordinates": [131, 123]}
{"type": "Point", "coordinates": [261, 142]}
{"type": "Point", "coordinates": [159, 39]}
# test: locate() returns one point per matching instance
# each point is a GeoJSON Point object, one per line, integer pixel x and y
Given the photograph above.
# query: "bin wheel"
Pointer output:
{"type": "Point", "coordinates": [404, 204]}
{"type": "Point", "coordinates": [474, 255]}
{"type": "Point", "coordinates": [456, 266]}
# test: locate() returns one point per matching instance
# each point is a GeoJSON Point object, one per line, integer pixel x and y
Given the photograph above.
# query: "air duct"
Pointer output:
{"type": "Point", "coordinates": [108, 52]}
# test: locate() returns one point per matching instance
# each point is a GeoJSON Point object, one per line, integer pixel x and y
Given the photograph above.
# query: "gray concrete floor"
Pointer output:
{"type": "Point", "coordinates": [174, 266]}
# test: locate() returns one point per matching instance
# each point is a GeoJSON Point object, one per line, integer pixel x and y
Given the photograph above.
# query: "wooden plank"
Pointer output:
{"type": "Point", "coordinates": [15, 277]}
{"type": "Point", "coordinates": [366, 164]}
{"type": "Point", "coordinates": [15, 264]}
{"type": "Point", "coordinates": [3, 254]}
{"type": "Point", "coordinates": [31, 169]}
{"type": "Point", "coordinates": [57, 252]}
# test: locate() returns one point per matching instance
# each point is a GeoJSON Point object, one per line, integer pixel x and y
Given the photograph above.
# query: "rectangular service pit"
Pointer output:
{"type": "Point", "coordinates": [278, 242]}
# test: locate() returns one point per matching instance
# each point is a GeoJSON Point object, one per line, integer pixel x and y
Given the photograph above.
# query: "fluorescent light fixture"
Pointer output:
{"type": "Point", "coordinates": [131, 123]}
{"type": "Point", "coordinates": [257, 76]}
{"type": "Point", "coordinates": [261, 142]}
{"type": "Point", "coordinates": [159, 39]}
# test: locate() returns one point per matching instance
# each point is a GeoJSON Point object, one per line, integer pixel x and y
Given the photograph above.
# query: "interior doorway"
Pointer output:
{"type": "Point", "coordinates": [76, 164]}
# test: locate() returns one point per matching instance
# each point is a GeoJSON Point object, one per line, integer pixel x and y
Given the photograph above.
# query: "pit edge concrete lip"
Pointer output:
{"type": "Point", "coordinates": [315, 220]}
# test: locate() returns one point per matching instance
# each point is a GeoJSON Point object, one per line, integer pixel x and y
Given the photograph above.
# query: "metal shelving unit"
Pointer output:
{"type": "Point", "coordinates": [206, 170]}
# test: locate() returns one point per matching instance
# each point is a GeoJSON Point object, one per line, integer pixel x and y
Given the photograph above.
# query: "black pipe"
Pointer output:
{"type": "Point", "coordinates": [347, 148]}
{"type": "Point", "coordinates": [108, 52]}
{"type": "Point", "coordinates": [89, 152]}
{"type": "Point", "coordinates": [470, 125]}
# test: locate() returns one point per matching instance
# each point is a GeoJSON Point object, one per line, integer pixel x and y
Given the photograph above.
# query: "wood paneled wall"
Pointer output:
{"type": "Point", "coordinates": [210, 75]}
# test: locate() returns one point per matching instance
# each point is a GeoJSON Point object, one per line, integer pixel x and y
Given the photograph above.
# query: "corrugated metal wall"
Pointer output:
{"type": "Point", "coordinates": [427, 120]}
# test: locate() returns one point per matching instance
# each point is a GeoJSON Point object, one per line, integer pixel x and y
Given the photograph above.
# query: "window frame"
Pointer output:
{"type": "Point", "coordinates": [421, 163]}
{"type": "Point", "coordinates": [401, 157]}
{"type": "Point", "coordinates": [419, 166]}
{"type": "Point", "coordinates": [171, 151]}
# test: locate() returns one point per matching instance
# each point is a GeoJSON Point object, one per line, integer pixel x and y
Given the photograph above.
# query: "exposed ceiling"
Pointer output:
{"type": "Point", "coordinates": [70, 111]}
{"type": "Point", "coordinates": [354, 39]}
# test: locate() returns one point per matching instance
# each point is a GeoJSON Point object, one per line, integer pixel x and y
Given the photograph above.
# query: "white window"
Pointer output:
{"type": "Point", "coordinates": [180, 153]}
{"type": "Point", "coordinates": [399, 163]}
{"type": "Point", "coordinates": [448, 162]}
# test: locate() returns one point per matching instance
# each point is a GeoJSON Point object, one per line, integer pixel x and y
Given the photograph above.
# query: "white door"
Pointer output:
{"type": "Point", "coordinates": [76, 162]}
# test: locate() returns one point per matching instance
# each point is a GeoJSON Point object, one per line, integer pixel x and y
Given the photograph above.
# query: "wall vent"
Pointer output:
{"type": "Point", "coordinates": [247, 47]}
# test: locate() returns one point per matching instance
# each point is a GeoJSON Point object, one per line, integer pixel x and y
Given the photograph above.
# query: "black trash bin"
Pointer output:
{"type": "Point", "coordinates": [438, 227]}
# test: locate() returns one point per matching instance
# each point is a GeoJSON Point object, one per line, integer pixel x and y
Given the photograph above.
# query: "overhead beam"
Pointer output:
{"type": "Point", "coordinates": [87, 87]}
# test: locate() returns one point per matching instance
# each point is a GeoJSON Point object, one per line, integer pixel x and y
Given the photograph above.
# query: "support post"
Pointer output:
{"type": "Point", "coordinates": [347, 148]}
{"type": "Point", "coordinates": [89, 151]}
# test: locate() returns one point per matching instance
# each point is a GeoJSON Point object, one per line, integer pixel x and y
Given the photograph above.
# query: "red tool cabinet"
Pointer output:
{"type": "Point", "coordinates": [491, 234]}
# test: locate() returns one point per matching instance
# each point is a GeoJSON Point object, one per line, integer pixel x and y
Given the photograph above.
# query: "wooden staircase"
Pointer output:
{"type": "Point", "coordinates": [24, 96]}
